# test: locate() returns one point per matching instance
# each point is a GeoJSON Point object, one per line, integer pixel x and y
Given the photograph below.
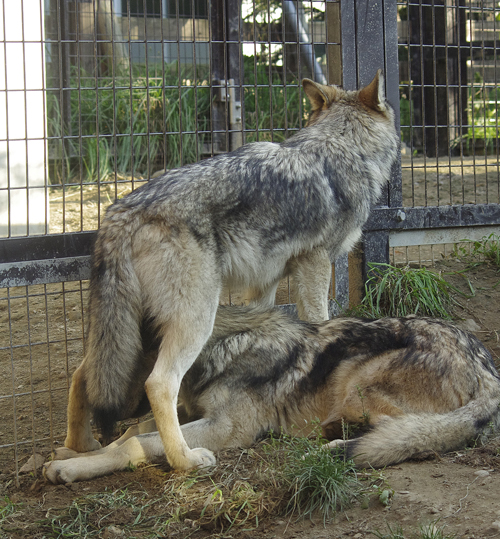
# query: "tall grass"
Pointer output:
{"type": "Point", "coordinates": [394, 291]}
{"type": "Point", "coordinates": [131, 124]}
{"type": "Point", "coordinates": [138, 124]}
{"type": "Point", "coordinates": [273, 108]}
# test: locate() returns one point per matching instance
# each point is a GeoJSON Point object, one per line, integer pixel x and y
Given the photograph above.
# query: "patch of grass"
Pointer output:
{"type": "Point", "coordinates": [315, 480]}
{"type": "Point", "coordinates": [135, 123]}
{"type": "Point", "coordinates": [485, 249]}
{"type": "Point", "coordinates": [395, 291]}
{"type": "Point", "coordinates": [429, 531]}
{"type": "Point", "coordinates": [273, 108]}
{"type": "Point", "coordinates": [8, 510]}
{"type": "Point", "coordinates": [141, 122]}
{"type": "Point", "coordinates": [127, 511]}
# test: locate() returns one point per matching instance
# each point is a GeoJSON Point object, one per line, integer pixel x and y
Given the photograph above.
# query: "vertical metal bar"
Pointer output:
{"type": "Point", "coordinates": [270, 73]}
{"type": "Point", "coordinates": [44, 105]}
{"type": "Point", "coordinates": [13, 379]}
{"type": "Point", "coordinates": [7, 131]}
{"type": "Point", "coordinates": [163, 17]}
{"type": "Point", "coordinates": [333, 38]}
{"type": "Point", "coordinates": [30, 355]}
{"type": "Point", "coordinates": [471, 126]}
{"type": "Point", "coordinates": [462, 87]}
{"type": "Point", "coordinates": [234, 70]}
{"type": "Point", "coordinates": [349, 45]}
{"type": "Point", "coordinates": [450, 117]}
{"type": "Point", "coordinates": [179, 84]}
{"type": "Point", "coordinates": [131, 97]}
{"type": "Point", "coordinates": [423, 81]}
{"type": "Point", "coordinates": [410, 100]}
{"type": "Point", "coordinates": [391, 71]}
{"type": "Point", "coordinates": [25, 99]}
{"type": "Point", "coordinates": [49, 371]}
{"type": "Point", "coordinates": [485, 93]}
{"type": "Point", "coordinates": [496, 140]}
{"type": "Point", "coordinates": [217, 74]}
{"type": "Point", "coordinates": [80, 119]}
{"type": "Point", "coordinates": [96, 89]}
{"type": "Point", "coordinates": [195, 82]}
{"type": "Point", "coordinates": [434, 94]}
{"type": "Point", "coordinates": [114, 140]}
{"type": "Point", "coordinates": [61, 143]}
{"type": "Point", "coordinates": [148, 118]}
{"type": "Point", "coordinates": [375, 49]}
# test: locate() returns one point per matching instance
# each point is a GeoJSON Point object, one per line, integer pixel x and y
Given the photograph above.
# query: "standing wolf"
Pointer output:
{"type": "Point", "coordinates": [245, 219]}
{"type": "Point", "coordinates": [415, 385]}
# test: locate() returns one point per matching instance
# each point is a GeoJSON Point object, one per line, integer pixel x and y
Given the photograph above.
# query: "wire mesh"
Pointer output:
{"type": "Point", "coordinates": [449, 101]}
{"type": "Point", "coordinates": [110, 94]}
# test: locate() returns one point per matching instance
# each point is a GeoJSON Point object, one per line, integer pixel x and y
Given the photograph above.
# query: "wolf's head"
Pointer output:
{"type": "Point", "coordinates": [370, 99]}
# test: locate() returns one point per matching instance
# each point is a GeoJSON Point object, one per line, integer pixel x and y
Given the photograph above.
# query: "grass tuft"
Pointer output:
{"type": "Point", "coordinates": [486, 249]}
{"type": "Point", "coordinates": [394, 291]}
{"type": "Point", "coordinates": [315, 480]}
{"type": "Point", "coordinates": [429, 531]}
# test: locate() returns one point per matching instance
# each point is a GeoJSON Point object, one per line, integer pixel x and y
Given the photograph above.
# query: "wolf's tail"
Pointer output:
{"type": "Point", "coordinates": [114, 342]}
{"type": "Point", "coordinates": [396, 439]}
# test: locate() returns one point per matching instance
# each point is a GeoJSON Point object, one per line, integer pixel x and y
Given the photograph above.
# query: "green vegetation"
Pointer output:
{"type": "Point", "coordinates": [140, 122]}
{"type": "Point", "coordinates": [487, 249]}
{"type": "Point", "coordinates": [8, 511]}
{"type": "Point", "coordinates": [316, 480]}
{"type": "Point", "coordinates": [131, 124]}
{"type": "Point", "coordinates": [431, 531]}
{"type": "Point", "coordinates": [273, 110]}
{"type": "Point", "coordinates": [124, 511]}
{"type": "Point", "coordinates": [395, 291]}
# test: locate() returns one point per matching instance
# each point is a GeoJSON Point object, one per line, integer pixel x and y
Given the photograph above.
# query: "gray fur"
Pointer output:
{"type": "Point", "coordinates": [416, 385]}
{"type": "Point", "coordinates": [245, 220]}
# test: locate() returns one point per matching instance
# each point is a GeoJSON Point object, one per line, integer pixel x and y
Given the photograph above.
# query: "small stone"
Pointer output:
{"type": "Point", "coordinates": [33, 463]}
{"type": "Point", "coordinates": [482, 473]}
{"type": "Point", "coordinates": [113, 531]}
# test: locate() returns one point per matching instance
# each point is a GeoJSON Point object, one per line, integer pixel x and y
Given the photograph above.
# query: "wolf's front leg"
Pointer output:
{"type": "Point", "coordinates": [312, 274]}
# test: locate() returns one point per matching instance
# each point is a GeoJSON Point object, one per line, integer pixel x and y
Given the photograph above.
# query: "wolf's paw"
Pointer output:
{"type": "Point", "coordinates": [82, 446]}
{"type": "Point", "coordinates": [198, 458]}
{"type": "Point", "coordinates": [57, 472]}
{"type": "Point", "coordinates": [64, 453]}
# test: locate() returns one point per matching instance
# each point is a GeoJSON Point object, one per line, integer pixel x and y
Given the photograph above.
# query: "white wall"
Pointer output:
{"type": "Point", "coordinates": [23, 193]}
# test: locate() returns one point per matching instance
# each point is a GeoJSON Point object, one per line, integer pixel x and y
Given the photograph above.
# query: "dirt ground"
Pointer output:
{"type": "Point", "coordinates": [42, 344]}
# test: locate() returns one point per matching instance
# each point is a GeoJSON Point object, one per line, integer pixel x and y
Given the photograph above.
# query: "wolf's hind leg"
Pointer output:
{"type": "Point", "coordinates": [312, 273]}
{"type": "Point", "coordinates": [79, 436]}
{"type": "Point", "coordinates": [184, 336]}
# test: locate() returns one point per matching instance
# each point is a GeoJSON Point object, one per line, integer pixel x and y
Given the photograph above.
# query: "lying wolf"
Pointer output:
{"type": "Point", "coordinates": [418, 384]}
{"type": "Point", "coordinates": [244, 219]}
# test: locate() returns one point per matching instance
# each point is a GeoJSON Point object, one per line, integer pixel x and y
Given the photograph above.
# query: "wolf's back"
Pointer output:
{"type": "Point", "coordinates": [113, 343]}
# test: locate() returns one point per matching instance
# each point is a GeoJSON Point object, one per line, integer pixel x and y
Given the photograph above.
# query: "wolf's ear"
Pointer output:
{"type": "Point", "coordinates": [373, 95]}
{"type": "Point", "coordinates": [320, 96]}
